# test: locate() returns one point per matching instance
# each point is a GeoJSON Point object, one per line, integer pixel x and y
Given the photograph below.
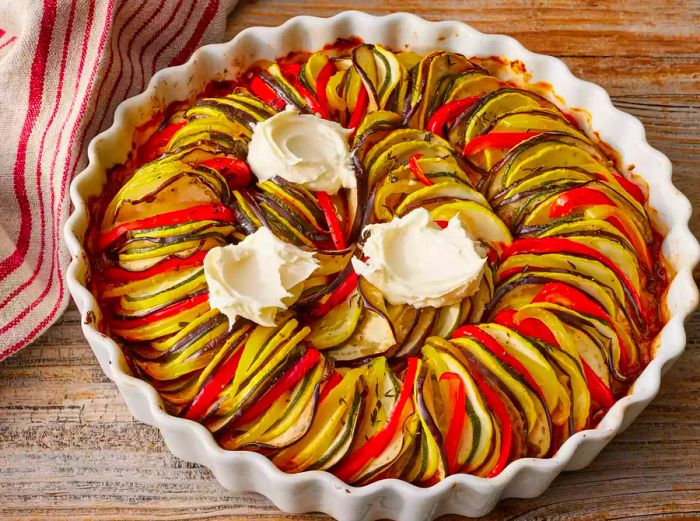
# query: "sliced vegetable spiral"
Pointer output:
{"type": "Point", "coordinates": [560, 326]}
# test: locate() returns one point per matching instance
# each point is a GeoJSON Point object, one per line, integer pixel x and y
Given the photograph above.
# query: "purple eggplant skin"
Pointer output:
{"type": "Point", "coordinates": [303, 304]}
{"type": "Point", "coordinates": [212, 344]}
{"type": "Point", "coordinates": [425, 413]}
{"type": "Point", "coordinates": [237, 147]}
{"type": "Point", "coordinates": [506, 286]}
{"type": "Point", "coordinates": [419, 204]}
{"type": "Point", "coordinates": [104, 261]}
{"type": "Point", "coordinates": [492, 380]}
{"type": "Point", "coordinates": [410, 108]}
{"type": "Point", "coordinates": [128, 237]}
{"type": "Point", "coordinates": [360, 362]}
{"type": "Point", "coordinates": [579, 324]}
{"type": "Point", "coordinates": [282, 92]}
{"type": "Point", "coordinates": [545, 350]}
{"type": "Point", "coordinates": [254, 207]}
{"type": "Point", "coordinates": [517, 415]}
{"type": "Point", "coordinates": [263, 446]}
{"type": "Point", "coordinates": [413, 325]}
{"type": "Point", "coordinates": [419, 342]}
{"type": "Point", "coordinates": [362, 196]}
{"type": "Point", "coordinates": [150, 196]}
{"type": "Point", "coordinates": [237, 345]}
{"type": "Point", "coordinates": [523, 381]}
{"type": "Point", "coordinates": [232, 113]}
{"type": "Point", "coordinates": [245, 223]}
{"type": "Point", "coordinates": [468, 167]}
{"type": "Point", "coordinates": [293, 190]}
{"type": "Point", "coordinates": [496, 199]}
{"type": "Point", "coordinates": [360, 140]}
{"type": "Point", "coordinates": [476, 365]}
{"type": "Point", "coordinates": [261, 388]}
{"type": "Point", "coordinates": [548, 190]}
{"type": "Point", "coordinates": [553, 136]}
{"type": "Point", "coordinates": [181, 345]}
{"type": "Point", "coordinates": [124, 319]}
{"type": "Point", "coordinates": [277, 226]}
{"type": "Point", "coordinates": [406, 111]}
{"type": "Point", "coordinates": [367, 303]}
{"type": "Point", "coordinates": [200, 233]}
{"type": "Point", "coordinates": [216, 139]}
{"type": "Point", "coordinates": [293, 218]}
{"type": "Point", "coordinates": [363, 74]}
{"type": "Point", "coordinates": [176, 385]}
{"type": "Point", "coordinates": [486, 98]}
{"type": "Point", "coordinates": [367, 216]}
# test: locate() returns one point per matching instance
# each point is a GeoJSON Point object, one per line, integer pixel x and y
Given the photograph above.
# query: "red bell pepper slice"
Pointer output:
{"type": "Point", "coordinates": [458, 417]}
{"type": "Point", "coordinates": [540, 245]}
{"type": "Point", "coordinates": [235, 170]}
{"type": "Point", "coordinates": [528, 327]}
{"type": "Point", "coordinates": [162, 313]}
{"type": "Point", "coordinates": [498, 351]}
{"type": "Point", "coordinates": [322, 80]}
{"type": "Point", "coordinates": [638, 244]}
{"type": "Point", "coordinates": [496, 405]}
{"type": "Point", "coordinates": [568, 201]}
{"type": "Point", "coordinates": [417, 171]}
{"type": "Point", "coordinates": [330, 384]}
{"type": "Point", "coordinates": [446, 114]}
{"type": "Point", "coordinates": [326, 205]}
{"type": "Point", "coordinates": [153, 148]}
{"type": "Point", "coordinates": [314, 105]}
{"type": "Point", "coordinates": [211, 390]}
{"type": "Point", "coordinates": [263, 91]}
{"type": "Point", "coordinates": [496, 140]}
{"type": "Point", "coordinates": [172, 264]}
{"type": "Point", "coordinates": [571, 119]}
{"type": "Point", "coordinates": [630, 187]}
{"type": "Point", "coordinates": [338, 295]}
{"type": "Point", "coordinates": [574, 198]}
{"type": "Point", "coordinates": [360, 110]}
{"type": "Point", "coordinates": [572, 298]}
{"type": "Point", "coordinates": [372, 448]}
{"type": "Point", "coordinates": [600, 392]}
{"type": "Point", "coordinates": [290, 72]}
{"type": "Point", "coordinates": [286, 382]}
{"type": "Point", "coordinates": [537, 329]}
{"type": "Point", "coordinates": [205, 212]}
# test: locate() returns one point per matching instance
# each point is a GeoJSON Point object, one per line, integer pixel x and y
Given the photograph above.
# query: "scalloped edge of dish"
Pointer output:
{"type": "Point", "coordinates": [468, 495]}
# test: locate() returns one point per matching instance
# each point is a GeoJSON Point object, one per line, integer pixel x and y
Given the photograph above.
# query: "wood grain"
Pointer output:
{"type": "Point", "coordinates": [69, 449]}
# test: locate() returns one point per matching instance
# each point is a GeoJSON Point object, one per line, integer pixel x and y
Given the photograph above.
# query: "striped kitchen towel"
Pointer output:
{"type": "Point", "coordinates": [64, 67]}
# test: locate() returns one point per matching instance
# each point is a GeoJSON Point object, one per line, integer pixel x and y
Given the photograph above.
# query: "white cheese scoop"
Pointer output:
{"type": "Point", "coordinates": [411, 260]}
{"type": "Point", "coordinates": [303, 149]}
{"type": "Point", "coordinates": [256, 278]}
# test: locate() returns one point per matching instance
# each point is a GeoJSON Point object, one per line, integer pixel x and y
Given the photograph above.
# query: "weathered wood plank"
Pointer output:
{"type": "Point", "coordinates": [69, 448]}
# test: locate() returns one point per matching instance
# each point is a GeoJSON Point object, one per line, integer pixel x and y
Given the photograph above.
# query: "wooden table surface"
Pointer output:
{"type": "Point", "coordinates": [69, 449]}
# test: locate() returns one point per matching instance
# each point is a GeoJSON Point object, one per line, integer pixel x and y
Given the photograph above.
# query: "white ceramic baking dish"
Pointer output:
{"type": "Point", "coordinates": [321, 491]}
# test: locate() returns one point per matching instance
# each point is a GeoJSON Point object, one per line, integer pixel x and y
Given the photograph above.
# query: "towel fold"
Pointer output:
{"type": "Point", "coordinates": [65, 65]}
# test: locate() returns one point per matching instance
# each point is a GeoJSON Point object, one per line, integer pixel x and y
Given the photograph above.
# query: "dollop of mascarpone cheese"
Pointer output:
{"type": "Point", "coordinates": [302, 149]}
{"type": "Point", "coordinates": [256, 278]}
{"type": "Point", "coordinates": [411, 260]}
